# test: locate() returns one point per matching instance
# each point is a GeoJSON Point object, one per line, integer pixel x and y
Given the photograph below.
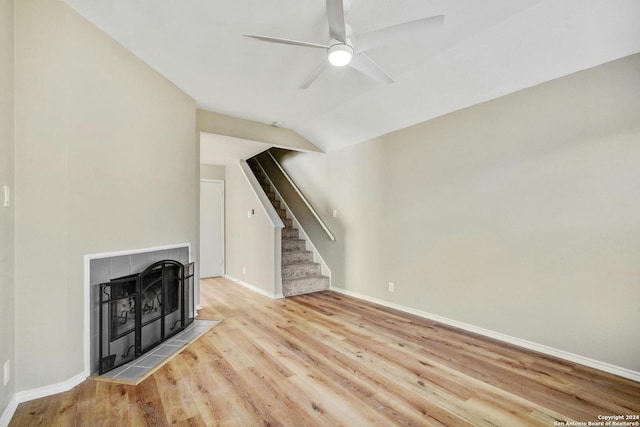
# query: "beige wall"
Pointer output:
{"type": "Point", "coordinates": [106, 160]}
{"type": "Point", "coordinates": [520, 215]}
{"type": "Point", "coordinates": [254, 131]}
{"type": "Point", "coordinates": [7, 300]}
{"type": "Point", "coordinates": [249, 242]}
{"type": "Point", "coordinates": [211, 172]}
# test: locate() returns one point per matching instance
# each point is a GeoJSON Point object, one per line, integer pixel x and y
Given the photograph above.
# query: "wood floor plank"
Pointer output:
{"type": "Point", "coordinates": [149, 402]}
{"type": "Point", "coordinates": [330, 359]}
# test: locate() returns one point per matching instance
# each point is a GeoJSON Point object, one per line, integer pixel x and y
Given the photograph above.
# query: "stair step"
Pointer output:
{"type": "Point", "coordinates": [304, 285]}
{"type": "Point", "coordinates": [291, 257]}
{"type": "Point", "coordinates": [293, 245]}
{"type": "Point", "coordinates": [300, 275]}
{"type": "Point", "coordinates": [299, 270]}
{"type": "Point", "coordinates": [290, 233]}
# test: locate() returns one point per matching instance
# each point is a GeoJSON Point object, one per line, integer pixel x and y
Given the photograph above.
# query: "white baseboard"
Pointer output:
{"type": "Point", "coordinates": [561, 354]}
{"type": "Point", "coordinates": [254, 288]}
{"type": "Point", "coordinates": [9, 411]}
{"type": "Point", "coordinates": [36, 393]}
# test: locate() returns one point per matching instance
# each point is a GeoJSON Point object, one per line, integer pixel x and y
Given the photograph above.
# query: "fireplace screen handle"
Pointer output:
{"type": "Point", "coordinates": [126, 354]}
{"type": "Point", "coordinates": [175, 324]}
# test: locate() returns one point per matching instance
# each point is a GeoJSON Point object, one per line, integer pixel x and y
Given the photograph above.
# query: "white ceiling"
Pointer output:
{"type": "Point", "coordinates": [486, 49]}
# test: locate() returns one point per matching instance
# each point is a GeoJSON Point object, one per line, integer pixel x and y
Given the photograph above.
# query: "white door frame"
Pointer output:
{"type": "Point", "coordinates": [224, 257]}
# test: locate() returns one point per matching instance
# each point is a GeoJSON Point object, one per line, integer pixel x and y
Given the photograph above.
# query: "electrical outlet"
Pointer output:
{"type": "Point", "coordinates": [392, 287]}
{"type": "Point", "coordinates": [335, 213]}
{"type": "Point", "coordinates": [7, 372]}
{"type": "Point", "coordinates": [244, 270]}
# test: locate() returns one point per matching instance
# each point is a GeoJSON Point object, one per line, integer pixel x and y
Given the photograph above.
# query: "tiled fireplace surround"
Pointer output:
{"type": "Point", "coordinates": [106, 266]}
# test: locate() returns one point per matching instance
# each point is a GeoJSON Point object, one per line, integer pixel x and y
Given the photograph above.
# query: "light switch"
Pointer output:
{"type": "Point", "coordinates": [7, 196]}
{"type": "Point", "coordinates": [7, 372]}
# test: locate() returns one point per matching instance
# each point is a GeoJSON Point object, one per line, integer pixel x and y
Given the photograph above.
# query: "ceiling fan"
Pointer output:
{"type": "Point", "coordinates": [345, 48]}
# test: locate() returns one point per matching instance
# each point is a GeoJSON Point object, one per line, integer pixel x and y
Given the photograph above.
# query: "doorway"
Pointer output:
{"type": "Point", "coordinates": [211, 228]}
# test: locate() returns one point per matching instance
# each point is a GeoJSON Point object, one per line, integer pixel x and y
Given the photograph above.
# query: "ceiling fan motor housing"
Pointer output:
{"type": "Point", "coordinates": [339, 53]}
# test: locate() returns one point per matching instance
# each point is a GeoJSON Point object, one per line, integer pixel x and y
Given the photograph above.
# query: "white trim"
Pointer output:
{"type": "Point", "coordinates": [287, 147]}
{"type": "Point", "coordinates": [254, 288]}
{"type": "Point", "coordinates": [277, 267]}
{"type": "Point", "coordinates": [138, 251]}
{"type": "Point", "coordinates": [37, 393]}
{"type": "Point", "coordinates": [561, 354]}
{"type": "Point", "coordinates": [9, 411]}
{"type": "Point", "coordinates": [86, 333]}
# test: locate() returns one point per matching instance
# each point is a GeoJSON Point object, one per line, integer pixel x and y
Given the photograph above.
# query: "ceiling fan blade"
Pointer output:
{"type": "Point", "coordinates": [286, 41]}
{"type": "Point", "coordinates": [394, 33]}
{"type": "Point", "coordinates": [366, 66]}
{"type": "Point", "coordinates": [314, 74]}
{"type": "Point", "coordinates": [335, 14]}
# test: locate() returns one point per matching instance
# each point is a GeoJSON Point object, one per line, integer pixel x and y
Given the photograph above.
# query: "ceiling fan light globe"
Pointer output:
{"type": "Point", "coordinates": [340, 55]}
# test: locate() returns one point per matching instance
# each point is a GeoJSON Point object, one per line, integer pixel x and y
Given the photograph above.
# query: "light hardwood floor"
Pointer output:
{"type": "Point", "coordinates": [326, 360]}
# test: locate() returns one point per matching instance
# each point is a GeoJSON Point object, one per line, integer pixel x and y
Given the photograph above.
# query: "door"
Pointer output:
{"type": "Point", "coordinates": [211, 228]}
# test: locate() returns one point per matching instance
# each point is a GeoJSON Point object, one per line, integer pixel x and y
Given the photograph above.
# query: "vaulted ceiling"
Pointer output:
{"type": "Point", "coordinates": [486, 49]}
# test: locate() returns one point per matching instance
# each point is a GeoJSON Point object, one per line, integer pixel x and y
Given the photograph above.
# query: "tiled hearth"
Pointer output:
{"type": "Point", "coordinates": [137, 370]}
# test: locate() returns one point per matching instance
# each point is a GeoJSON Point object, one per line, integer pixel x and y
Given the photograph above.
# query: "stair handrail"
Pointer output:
{"type": "Point", "coordinates": [304, 199]}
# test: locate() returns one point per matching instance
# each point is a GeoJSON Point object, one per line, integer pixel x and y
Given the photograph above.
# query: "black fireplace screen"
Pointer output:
{"type": "Point", "coordinates": [140, 311]}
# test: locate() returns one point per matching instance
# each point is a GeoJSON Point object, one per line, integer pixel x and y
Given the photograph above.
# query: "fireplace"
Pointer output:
{"type": "Point", "coordinates": [136, 300]}
{"type": "Point", "coordinates": [139, 311]}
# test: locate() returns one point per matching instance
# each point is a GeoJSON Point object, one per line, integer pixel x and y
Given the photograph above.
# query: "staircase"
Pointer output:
{"type": "Point", "coordinates": [300, 275]}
